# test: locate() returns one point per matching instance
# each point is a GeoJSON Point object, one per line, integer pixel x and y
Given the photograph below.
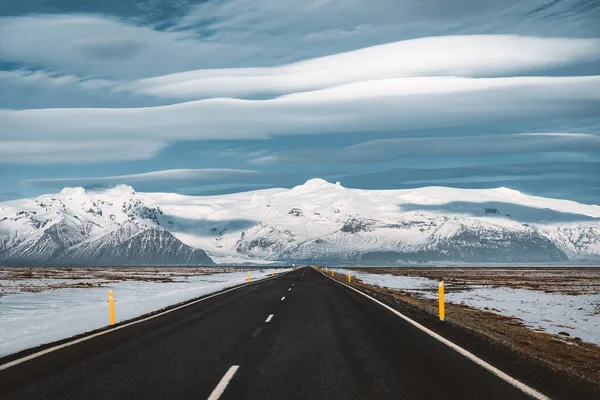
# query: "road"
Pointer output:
{"type": "Point", "coordinates": [298, 336]}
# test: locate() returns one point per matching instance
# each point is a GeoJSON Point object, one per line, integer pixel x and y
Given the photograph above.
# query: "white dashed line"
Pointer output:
{"type": "Point", "coordinates": [224, 382]}
{"type": "Point", "coordinates": [269, 318]}
{"type": "Point", "coordinates": [125, 325]}
{"type": "Point", "coordinates": [290, 289]}
{"type": "Point", "coordinates": [283, 298]}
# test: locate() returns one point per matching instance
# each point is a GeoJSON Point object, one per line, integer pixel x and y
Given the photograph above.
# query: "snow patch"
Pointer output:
{"type": "Point", "coordinates": [32, 319]}
{"type": "Point", "coordinates": [550, 312]}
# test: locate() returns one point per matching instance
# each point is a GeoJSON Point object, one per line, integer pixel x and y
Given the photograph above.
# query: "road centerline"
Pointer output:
{"type": "Point", "coordinates": [269, 318]}
{"type": "Point", "coordinates": [283, 298]}
{"type": "Point", "coordinates": [223, 383]}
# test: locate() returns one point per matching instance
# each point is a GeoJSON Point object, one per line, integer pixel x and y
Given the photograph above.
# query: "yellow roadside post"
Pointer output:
{"type": "Point", "coordinates": [111, 307]}
{"type": "Point", "coordinates": [441, 300]}
{"type": "Point", "coordinates": [349, 280]}
{"type": "Point", "coordinates": [248, 276]}
{"type": "Point", "coordinates": [272, 272]}
{"type": "Point", "coordinates": [331, 272]}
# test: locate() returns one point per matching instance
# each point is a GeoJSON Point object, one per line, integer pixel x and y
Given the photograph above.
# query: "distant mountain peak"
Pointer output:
{"type": "Point", "coordinates": [124, 190]}
{"type": "Point", "coordinates": [111, 226]}
{"type": "Point", "coordinates": [317, 184]}
{"type": "Point", "coordinates": [73, 191]}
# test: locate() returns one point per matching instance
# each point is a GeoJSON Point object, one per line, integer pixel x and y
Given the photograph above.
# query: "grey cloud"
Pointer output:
{"type": "Point", "coordinates": [65, 43]}
{"type": "Point", "coordinates": [416, 177]}
{"type": "Point", "coordinates": [156, 180]}
{"type": "Point", "coordinates": [264, 33]}
{"type": "Point", "coordinates": [377, 106]}
{"type": "Point", "coordinates": [77, 152]}
{"type": "Point", "coordinates": [384, 150]}
{"type": "Point", "coordinates": [110, 48]}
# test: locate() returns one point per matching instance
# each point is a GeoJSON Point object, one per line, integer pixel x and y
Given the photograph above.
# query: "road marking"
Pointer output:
{"type": "Point", "coordinates": [290, 289]}
{"type": "Point", "coordinates": [83, 339]}
{"type": "Point", "coordinates": [283, 298]}
{"type": "Point", "coordinates": [269, 318]}
{"type": "Point", "coordinates": [256, 332]}
{"type": "Point", "coordinates": [224, 382]}
{"type": "Point", "coordinates": [505, 377]}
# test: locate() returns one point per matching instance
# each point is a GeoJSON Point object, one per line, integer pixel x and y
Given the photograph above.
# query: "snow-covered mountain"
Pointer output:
{"type": "Point", "coordinates": [74, 227]}
{"type": "Point", "coordinates": [317, 222]}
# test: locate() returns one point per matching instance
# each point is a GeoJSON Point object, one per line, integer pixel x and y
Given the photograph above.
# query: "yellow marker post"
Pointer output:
{"type": "Point", "coordinates": [349, 280]}
{"type": "Point", "coordinates": [272, 272]}
{"type": "Point", "coordinates": [331, 272]}
{"type": "Point", "coordinates": [441, 296]}
{"type": "Point", "coordinates": [111, 307]}
{"type": "Point", "coordinates": [248, 276]}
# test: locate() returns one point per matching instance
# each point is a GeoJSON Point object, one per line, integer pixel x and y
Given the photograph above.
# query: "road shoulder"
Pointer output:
{"type": "Point", "coordinates": [466, 329]}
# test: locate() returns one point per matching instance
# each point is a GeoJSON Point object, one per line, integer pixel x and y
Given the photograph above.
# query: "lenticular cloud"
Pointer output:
{"type": "Point", "coordinates": [470, 56]}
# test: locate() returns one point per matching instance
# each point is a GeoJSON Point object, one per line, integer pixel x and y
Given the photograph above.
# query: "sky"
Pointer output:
{"type": "Point", "coordinates": [220, 96]}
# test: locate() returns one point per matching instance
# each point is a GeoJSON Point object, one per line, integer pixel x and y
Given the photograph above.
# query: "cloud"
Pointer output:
{"type": "Point", "coordinates": [387, 105]}
{"type": "Point", "coordinates": [100, 46]}
{"type": "Point", "coordinates": [416, 177]}
{"type": "Point", "coordinates": [77, 152]}
{"type": "Point", "coordinates": [479, 55]}
{"type": "Point", "coordinates": [472, 56]}
{"type": "Point", "coordinates": [34, 88]}
{"type": "Point", "coordinates": [379, 21]}
{"type": "Point", "coordinates": [157, 180]}
{"type": "Point", "coordinates": [111, 47]}
{"type": "Point", "coordinates": [233, 33]}
{"type": "Point", "coordinates": [384, 150]}
{"type": "Point", "coordinates": [37, 77]}
{"type": "Point", "coordinates": [120, 87]}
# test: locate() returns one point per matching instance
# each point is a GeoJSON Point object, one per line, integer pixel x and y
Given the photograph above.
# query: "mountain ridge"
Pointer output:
{"type": "Point", "coordinates": [316, 222]}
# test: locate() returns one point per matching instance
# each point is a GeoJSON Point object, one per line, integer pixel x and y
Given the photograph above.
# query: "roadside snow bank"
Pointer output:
{"type": "Point", "coordinates": [31, 319]}
{"type": "Point", "coordinates": [577, 315]}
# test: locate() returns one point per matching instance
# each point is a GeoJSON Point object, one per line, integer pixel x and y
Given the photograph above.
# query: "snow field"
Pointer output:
{"type": "Point", "coordinates": [578, 315]}
{"type": "Point", "coordinates": [32, 319]}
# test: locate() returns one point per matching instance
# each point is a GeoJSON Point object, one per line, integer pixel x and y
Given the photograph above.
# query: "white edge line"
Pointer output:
{"type": "Point", "coordinates": [83, 339]}
{"type": "Point", "coordinates": [507, 378]}
{"type": "Point", "coordinates": [223, 383]}
{"type": "Point", "coordinates": [269, 318]}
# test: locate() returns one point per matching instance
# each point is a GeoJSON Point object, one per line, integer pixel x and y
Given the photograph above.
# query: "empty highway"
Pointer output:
{"type": "Point", "coordinates": [297, 336]}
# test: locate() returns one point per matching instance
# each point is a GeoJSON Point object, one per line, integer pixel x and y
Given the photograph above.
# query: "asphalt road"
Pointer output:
{"type": "Point", "coordinates": [323, 341]}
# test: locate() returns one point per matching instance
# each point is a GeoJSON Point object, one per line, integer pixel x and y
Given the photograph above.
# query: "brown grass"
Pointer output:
{"type": "Point", "coordinates": [34, 280]}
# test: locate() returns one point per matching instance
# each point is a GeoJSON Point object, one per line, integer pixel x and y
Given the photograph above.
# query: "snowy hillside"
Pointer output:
{"type": "Point", "coordinates": [317, 222]}
{"type": "Point", "coordinates": [74, 227]}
